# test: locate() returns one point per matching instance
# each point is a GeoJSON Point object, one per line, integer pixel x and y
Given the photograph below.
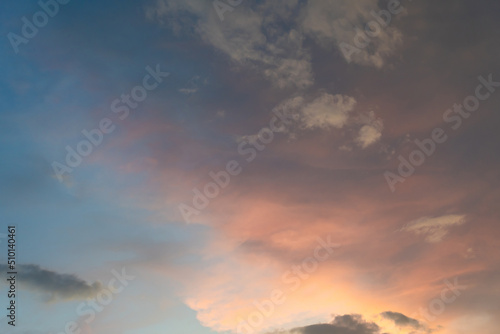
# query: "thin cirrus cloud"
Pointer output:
{"type": "Point", "coordinates": [434, 228]}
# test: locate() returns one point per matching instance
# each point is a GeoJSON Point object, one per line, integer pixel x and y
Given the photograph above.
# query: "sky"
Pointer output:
{"type": "Point", "coordinates": [250, 166]}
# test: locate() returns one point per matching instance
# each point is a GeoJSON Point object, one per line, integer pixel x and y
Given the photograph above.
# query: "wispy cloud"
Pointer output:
{"type": "Point", "coordinates": [332, 23]}
{"type": "Point", "coordinates": [434, 228]}
{"type": "Point", "coordinates": [253, 37]}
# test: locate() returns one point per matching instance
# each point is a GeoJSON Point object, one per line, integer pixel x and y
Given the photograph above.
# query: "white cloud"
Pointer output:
{"type": "Point", "coordinates": [324, 112]}
{"type": "Point", "coordinates": [434, 228]}
{"type": "Point", "coordinates": [269, 35]}
{"type": "Point", "coordinates": [327, 111]}
{"type": "Point", "coordinates": [371, 132]}
{"type": "Point", "coordinates": [331, 23]}
{"type": "Point", "coordinates": [255, 37]}
{"type": "Point", "coordinates": [368, 135]}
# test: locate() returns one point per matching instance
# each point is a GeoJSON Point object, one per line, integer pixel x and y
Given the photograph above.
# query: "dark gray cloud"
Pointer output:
{"type": "Point", "coordinates": [402, 320]}
{"type": "Point", "coordinates": [344, 324]}
{"type": "Point", "coordinates": [59, 286]}
{"type": "Point", "coordinates": [356, 324]}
